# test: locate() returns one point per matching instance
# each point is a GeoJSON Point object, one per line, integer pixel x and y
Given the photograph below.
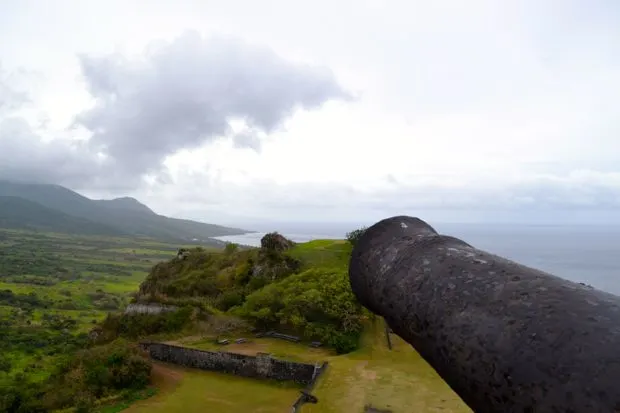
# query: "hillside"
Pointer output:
{"type": "Point", "coordinates": [302, 289]}
{"type": "Point", "coordinates": [299, 289]}
{"type": "Point", "coordinates": [126, 204]}
{"type": "Point", "coordinates": [19, 213]}
{"type": "Point", "coordinates": [125, 216]}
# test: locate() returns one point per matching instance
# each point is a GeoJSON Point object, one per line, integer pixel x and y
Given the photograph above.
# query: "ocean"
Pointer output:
{"type": "Point", "coordinates": [588, 254]}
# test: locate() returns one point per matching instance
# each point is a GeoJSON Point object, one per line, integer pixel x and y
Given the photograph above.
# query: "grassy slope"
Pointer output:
{"type": "Point", "coordinates": [194, 391]}
{"type": "Point", "coordinates": [398, 380]}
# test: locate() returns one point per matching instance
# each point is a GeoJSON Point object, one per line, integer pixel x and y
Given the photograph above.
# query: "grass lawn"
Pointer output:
{"type": "Point", "coordinates": [322, 253]}
{"type": "Point", "coordinates": [398, 380]}
{"type": "Point", "coordinates": [280, 349]}
{"type": "Point", "coordinates": [196, 391]}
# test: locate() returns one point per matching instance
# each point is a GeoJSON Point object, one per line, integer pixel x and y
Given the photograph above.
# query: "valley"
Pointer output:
{"type": "Point", "coordinates": [50, 281]}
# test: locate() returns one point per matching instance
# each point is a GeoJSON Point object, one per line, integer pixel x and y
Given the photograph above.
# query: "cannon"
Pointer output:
{"type": "Point", "coordinates": [505, 337]}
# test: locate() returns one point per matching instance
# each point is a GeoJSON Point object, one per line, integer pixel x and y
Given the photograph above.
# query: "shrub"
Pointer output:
{"type": "Point", "coordinates": [140, 325]}
{"type": "Point", "coordinates": [275, 242]}
{"type": "Point", "coordinates": [231, 248]}
{"type": "Point", "coordinates": [317, 303]}
{"type": "Point", "coordinates": [229, 299]}
{"type": "Point", "coordinates": [344, 342]}
{"type": "Point", "coordinates": [95, 373]}
{"type": "Point", "coordinates": [79, 381]}
{"type": "Point", "coordinates": [354, 236]}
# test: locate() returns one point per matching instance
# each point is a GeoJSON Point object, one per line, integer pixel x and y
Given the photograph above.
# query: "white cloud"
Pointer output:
{"type": "Point", "coordinates": [463, 106]}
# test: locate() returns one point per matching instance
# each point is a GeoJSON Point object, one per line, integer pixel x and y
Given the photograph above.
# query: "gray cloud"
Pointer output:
{"type": "Point", "coordinates": [187, 91]}
{"type": "Point", "coordinates": [247, 139]}
{"type": "Point", "coordinates": [25, 157]}
{"type": "Point", "coordinates": [178, 95]}
{"type": "Point", "coordinates": [11, 98]}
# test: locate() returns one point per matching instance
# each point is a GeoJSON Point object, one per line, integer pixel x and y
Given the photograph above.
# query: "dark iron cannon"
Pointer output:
{"type": "Point", "coordinates": [505, 337]}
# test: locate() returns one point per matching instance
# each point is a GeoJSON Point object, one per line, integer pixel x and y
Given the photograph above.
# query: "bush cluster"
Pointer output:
{"type": "Point", "coordinates": [79, 381]}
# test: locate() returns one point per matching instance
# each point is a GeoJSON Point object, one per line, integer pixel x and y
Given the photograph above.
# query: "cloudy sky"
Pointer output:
{"type": "Point", "coordinates": [241, 111]}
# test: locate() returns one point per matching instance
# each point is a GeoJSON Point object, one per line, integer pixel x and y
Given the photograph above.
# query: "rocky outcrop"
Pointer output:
{"type": "Point", "coordinates": [275, 242]}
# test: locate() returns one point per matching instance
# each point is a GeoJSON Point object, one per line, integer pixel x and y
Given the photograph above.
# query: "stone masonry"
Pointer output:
{"type": "Point", "coordinates": [259, 366]}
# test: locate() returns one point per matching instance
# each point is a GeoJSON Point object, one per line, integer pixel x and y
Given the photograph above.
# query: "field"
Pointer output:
{"type": "Point", "coordinates": [194, 391]}
{"type": "Point", "coordinates": [54, 287]}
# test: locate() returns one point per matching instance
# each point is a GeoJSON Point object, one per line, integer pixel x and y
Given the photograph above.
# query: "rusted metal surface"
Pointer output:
{"type": "Point", "coordinates": [506, 337]}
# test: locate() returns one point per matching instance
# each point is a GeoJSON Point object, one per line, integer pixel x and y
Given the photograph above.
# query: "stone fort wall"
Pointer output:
{"type": "Point", "coordinates": [260, 366]}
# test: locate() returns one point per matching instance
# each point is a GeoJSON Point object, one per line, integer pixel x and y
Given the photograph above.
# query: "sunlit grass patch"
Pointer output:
{"type": "Point", "coordinates": [398, 380]}
{"type": "Point", "coordinates": [196, 391]}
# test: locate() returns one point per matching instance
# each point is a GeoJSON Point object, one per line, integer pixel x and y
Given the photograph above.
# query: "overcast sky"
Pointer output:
{"type": "Point", "coordinates": [240, 111]}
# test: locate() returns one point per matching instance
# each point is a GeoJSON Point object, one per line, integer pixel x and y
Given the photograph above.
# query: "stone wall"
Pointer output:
{"type": "Point", "coordinates": [306, 394]}
{"type": "Point", "coordinates": [150, 308]}
{"type": "Point", "coordinates": [259, 366]}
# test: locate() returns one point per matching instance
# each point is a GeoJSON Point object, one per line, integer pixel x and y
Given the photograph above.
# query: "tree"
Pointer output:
{"type": "Point", "coordinates": [317, 303]}
{"type": "Point", "coordinates": [354, 236]}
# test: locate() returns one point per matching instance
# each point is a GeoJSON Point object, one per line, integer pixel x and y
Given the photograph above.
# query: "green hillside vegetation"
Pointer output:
{"type": "Point", "coordinates": [54, 289]}
{"type": "Point", "coordinates": [298, 289]}
{"type": "Point", "coordinates": [121, 216]}
{"type": "Point", "coordinates": [20, 213]}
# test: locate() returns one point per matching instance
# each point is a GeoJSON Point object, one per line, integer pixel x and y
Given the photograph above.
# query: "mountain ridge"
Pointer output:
{"type": "Point", "coordinates": [126, 203]}
{"type": "Point", "coordinates": [20, 213]}
{"type": "Point", "coordinates": [125, 215]}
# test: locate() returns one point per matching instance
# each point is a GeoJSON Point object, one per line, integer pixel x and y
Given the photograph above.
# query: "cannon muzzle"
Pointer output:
{"type": "Point", "coordinates": [505, 337]}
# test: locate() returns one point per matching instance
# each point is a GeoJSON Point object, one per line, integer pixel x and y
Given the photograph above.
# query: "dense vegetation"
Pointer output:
{"type": "Point", "coordinates": [301, 289]}
{"type": "Point", "coordinates": [81, 380]}
{"type": "Point", "coordinates": [64, 338]}
{"type": "Point", "coordinates": [318, 303]}
{"type": "Point", "coordinates": [55, 289]}
{"type": "Point", "coordinates": [58, 209]}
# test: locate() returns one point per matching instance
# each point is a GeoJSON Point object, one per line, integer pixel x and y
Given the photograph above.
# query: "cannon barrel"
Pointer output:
{"type": "Point", "coordinates": [505, 337]}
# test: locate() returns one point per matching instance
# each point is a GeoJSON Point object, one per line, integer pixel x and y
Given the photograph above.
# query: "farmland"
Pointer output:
{"type": "Point", "coordinates": [54, 288]}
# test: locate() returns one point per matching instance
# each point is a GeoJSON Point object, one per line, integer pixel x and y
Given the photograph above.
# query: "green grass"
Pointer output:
{"type": "Point", "coordinates": [398, 380]}
{"type": "Point", "coordinates": [322, 253]}
{"type": "Point", "coordinates": [127, 401]}
{"type": "Point", "coordinates": [196, 391]}
{"type": "Point", "coordinates": [281, 349]}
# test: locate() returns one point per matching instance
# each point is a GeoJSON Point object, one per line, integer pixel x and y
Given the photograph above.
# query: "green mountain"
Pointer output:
{"type": "Point", "coordinates": [127, 204]}
{"type": "Point", "coordinates": [19, 213]}
{"type": "Point", "coordinates": [121, 216]}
